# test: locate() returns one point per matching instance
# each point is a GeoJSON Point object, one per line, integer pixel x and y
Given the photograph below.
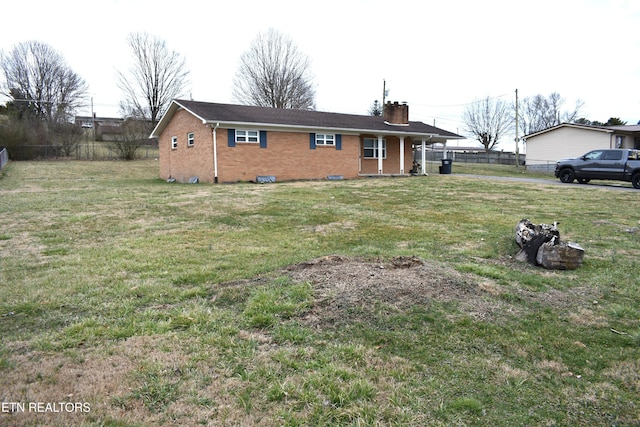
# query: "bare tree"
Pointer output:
{"type": "Point", "coordinates": [488, 120]}
{"type": "Point", "coordinates": [39, 80]}
{"type": "Point", "coordinates": [540, 112]}
{"type": "Point", "coordinates": [274, 73]}
{"type": "Point", "coordinates": [134, 135]}
{"type": "Point", "coordinates": [67, 137]}
{"type": "Point", "coordinates": [156, 77]}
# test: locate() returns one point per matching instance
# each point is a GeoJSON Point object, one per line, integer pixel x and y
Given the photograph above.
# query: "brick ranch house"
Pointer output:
{"type": "Point", "coordinates": [229, 143]}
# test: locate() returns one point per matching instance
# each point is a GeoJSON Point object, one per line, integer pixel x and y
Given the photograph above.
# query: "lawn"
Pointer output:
{"type": "Point", "coordinates": [129, 301]}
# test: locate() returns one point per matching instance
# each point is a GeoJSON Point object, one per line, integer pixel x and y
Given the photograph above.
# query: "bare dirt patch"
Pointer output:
{"type": "Point", "coordinates": [348, 289]}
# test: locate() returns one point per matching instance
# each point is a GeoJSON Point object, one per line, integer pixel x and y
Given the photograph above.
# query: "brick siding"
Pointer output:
{"type": "Point", "coordinates": [288, 155]}
{"type": "Point", "coordinates": [185, 162]}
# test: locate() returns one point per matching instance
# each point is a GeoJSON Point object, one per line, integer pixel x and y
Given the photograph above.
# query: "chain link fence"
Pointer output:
{"type": "Point", "coordinates": [84, 151]}
{"type": "Point", "coordinates": [548, 166]}
{"type": "Point", "coordinates": [433, 158]}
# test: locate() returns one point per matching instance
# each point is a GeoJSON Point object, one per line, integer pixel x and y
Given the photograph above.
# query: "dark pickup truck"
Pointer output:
{"type": "Point", "coordinates": [618, 165]}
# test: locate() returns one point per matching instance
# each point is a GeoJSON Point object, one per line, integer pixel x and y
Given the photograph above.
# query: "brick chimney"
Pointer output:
{"type": "Point", "coordinates": [396, 114]}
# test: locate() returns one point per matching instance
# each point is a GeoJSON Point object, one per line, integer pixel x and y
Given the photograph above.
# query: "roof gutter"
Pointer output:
{"type": "Point", "coordinates": [271, 126]}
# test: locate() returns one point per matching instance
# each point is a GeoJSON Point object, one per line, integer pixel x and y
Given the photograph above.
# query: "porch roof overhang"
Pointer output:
{"type": "Point", "coordinates": [631, 130]}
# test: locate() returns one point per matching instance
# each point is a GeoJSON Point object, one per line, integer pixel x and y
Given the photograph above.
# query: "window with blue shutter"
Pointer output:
{"type": "Point", "coordinates": [263, 139]}
{"type": "Point", "coordinates": [231, 133]}
{"type": "Point", "coordinates": [312, 141]}
{"type": "Point", "coordinates": [338, 141]}
{"type": "Point", "coordinates": [325, 139]}
{"type": "Point", "coordinates": [245, 135]}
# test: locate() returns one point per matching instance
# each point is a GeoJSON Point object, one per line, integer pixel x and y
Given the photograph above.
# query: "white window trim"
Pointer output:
{"type": "Point", "coordinates": [190, 139]}
{"type": "Point", "coordinates": [174, 142]}
{"type": "Point", "coordinates": [375, 148]}
{"type": "Point", "coordinates": [243, 136]}
{"type": "Point", "coordinates": [325, 139]}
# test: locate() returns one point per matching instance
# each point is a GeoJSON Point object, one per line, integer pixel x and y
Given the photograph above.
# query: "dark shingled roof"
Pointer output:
{"type": "Point", "coordinates": [306, 119]}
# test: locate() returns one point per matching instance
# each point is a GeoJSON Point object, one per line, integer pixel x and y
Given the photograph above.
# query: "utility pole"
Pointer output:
{"type": "Point", "coordinates": [384, 92]}
{"type": "Point", "coordinates": [516, 140]}
{"type": "Point", "coordinates": [93, 132]}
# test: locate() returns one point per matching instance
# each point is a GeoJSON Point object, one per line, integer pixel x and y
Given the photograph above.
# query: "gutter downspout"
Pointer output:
{"type": "Point", "coordinates": [402, 155]}
{"type": "Point", "coordinates": [379, 152]}
{"type": "Point", "coordinates": [215, 154]}
{"type": "Point", "coordinates": [169, 157]}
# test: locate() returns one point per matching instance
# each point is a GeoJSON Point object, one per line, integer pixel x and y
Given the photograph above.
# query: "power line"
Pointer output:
{"type": "Point", "coordinates": [463, 105]}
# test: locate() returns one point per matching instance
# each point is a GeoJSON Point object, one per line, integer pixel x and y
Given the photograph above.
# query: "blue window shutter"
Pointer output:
{"type": "Point", "coordinates": [338, 141]}
{"type": "Point", "coordinates": [232, 137]}
{"type": "Point", "coordinates": [263, 139]}
{"type": "Point", "coordinates": [312, 141]}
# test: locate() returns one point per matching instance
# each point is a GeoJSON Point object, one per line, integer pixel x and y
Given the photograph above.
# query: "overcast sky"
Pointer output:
{"type": "Point", "coordinates": [435, 55]}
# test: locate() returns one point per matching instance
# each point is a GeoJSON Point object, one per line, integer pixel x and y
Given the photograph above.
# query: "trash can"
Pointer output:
{"type": "Point", "coordinates": [445, 169]}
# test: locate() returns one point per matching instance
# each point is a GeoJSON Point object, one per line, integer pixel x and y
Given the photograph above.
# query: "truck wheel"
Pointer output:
{"type": "Point", "coordinates": [635, 180]}
{"type": "Point", "coordinates": [567, 176]}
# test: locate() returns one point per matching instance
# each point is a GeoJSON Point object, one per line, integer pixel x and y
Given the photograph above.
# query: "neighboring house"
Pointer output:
{"type": "Point", "coordinates": [110, 129]}
{"type": "Point", "coordinates": [568, 140]}
{"type": "Point", "coordinates": [106, 128]}
{"type": "Point", "coordinates": [229, 143]}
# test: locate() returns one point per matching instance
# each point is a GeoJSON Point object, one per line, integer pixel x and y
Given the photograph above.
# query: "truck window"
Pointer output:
{"type": "Point", "coordinates": [612, 155]}
{"type": "Point", "coordinates": [593, 155]}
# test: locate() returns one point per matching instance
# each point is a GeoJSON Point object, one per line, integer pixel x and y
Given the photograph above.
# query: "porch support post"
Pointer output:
{"type": "Point", "coordinates": [402, 155]}
{"type": "Point", "coordinates": [379, 154]}
{"type": "Point", "coordinates": [424, 157]}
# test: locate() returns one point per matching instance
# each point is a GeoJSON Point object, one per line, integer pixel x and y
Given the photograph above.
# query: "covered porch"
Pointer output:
{"type": "Point", "coordinates": [392, 154]}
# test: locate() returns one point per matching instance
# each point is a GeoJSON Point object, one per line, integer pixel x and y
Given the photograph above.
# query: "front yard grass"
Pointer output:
{"type": "Point", "coordinates": [368, 302]}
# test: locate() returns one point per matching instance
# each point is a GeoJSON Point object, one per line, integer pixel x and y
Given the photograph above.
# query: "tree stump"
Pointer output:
{"type": "Point", "coordinates": [541, 245]}
{"type": "Point", "coordinates": [563, 256]}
